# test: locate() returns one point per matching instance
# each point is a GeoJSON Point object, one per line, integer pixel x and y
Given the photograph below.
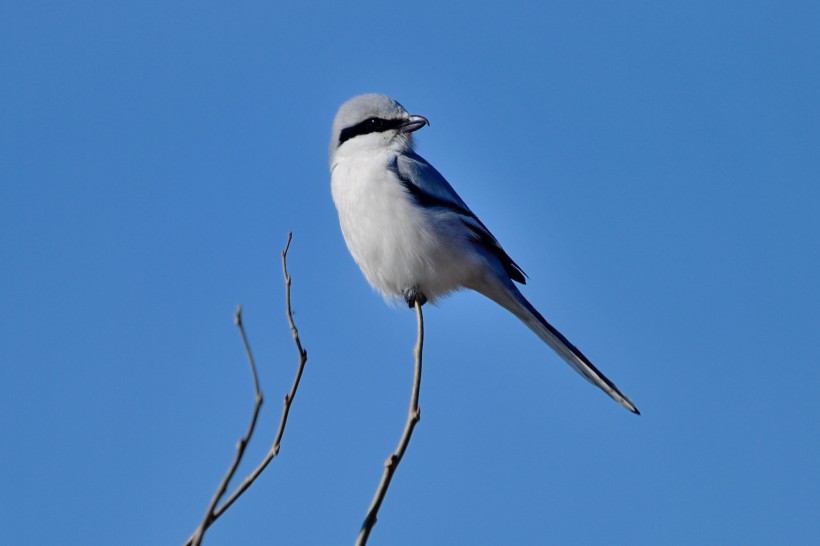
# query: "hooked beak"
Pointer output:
{"type": "Point", "coordinates": [413, 124]}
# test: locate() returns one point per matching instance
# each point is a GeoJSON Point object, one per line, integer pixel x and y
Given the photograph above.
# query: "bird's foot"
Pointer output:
{"type": "Point", "coordinates": [411, 295]}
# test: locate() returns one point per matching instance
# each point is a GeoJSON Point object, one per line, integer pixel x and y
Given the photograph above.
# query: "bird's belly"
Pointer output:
{"type": "Point", "coordinates": [397, 244]}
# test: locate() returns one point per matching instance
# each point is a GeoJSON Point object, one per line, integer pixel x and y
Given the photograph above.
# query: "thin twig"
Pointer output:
{"type": "Point", "coordinates": [274, 451]}
{"type": "Point", "coordinates": [210, 516]}
{"type": "Point", "coordinates": [215, 513]}
{"type": "Point", "coordinates": [413, 417]}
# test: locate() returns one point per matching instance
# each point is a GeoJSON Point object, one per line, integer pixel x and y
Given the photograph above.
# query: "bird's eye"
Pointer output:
{"type": "Point", "coordinates": [376, 124]}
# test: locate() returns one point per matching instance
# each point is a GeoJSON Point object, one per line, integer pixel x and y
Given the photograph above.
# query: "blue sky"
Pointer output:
{"type": "Point", "coordinates": [653, 167]}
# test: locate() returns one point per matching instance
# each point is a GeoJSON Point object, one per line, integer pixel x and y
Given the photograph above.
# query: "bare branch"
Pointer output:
{"type": "Point", "coordinates": [214, 513]}
{"type": "Point", "coordinates": [413, 417]}
{"type": "Point", "coordinates": [210, 516]}
{"type": "Point", "coordinates": [274, 451]}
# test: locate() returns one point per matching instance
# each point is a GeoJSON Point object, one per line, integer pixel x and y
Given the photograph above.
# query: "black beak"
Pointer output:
{"type": "Point", "coordinates": [413, 124]}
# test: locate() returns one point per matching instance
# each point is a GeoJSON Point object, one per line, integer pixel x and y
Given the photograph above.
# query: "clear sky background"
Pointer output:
{"type": "Point", "coordinates": [653, 167]}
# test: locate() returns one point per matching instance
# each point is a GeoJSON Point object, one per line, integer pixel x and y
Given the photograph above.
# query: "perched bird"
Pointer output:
{"type": "Point", "coordinates": [412, 235]}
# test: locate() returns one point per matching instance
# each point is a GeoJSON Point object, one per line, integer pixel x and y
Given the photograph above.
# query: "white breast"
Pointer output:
{"type": "Point", "coordinates": [397, 244]}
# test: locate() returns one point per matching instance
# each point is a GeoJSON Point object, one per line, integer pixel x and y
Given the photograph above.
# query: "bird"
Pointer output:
{"type": "Point", "coordinates": [411, 234]}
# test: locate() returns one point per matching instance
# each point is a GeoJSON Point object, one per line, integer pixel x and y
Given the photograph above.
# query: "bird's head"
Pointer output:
{"type": "Point", "coordinates": [370, 123]}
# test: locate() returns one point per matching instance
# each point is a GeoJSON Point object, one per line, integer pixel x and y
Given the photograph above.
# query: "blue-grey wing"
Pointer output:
{"type": "Point", "coordinates": [431, 190]}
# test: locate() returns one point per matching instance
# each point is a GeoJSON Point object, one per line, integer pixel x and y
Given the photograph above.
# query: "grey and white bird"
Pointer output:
{"type": "Point", "coordinates": [412, 235]}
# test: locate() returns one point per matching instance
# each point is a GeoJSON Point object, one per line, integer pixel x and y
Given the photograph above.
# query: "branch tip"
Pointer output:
{"type": "Point", "coordinates": [287, 246]}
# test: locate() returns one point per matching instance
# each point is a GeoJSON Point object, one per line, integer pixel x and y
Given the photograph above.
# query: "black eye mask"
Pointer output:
{"type": "Point", "coordinates": [370, 125]}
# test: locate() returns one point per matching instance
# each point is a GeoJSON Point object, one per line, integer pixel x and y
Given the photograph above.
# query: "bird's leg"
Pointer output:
{"type": "Point", "coordinates": [413, 294]}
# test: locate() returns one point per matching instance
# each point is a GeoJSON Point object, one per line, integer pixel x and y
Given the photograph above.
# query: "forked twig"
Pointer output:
{"type": "Point", "coordinates": [392, 463]}
{"type": "Point", "coordinates": [213, 512]}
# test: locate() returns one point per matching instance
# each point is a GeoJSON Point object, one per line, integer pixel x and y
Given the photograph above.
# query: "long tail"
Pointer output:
{"type": "Point", "coordinates": [509, 297]}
